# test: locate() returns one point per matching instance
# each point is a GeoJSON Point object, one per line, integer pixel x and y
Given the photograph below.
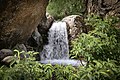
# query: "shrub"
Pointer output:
{"type": "Point", "coordinates": [100, 70]}
{"type": "Point", "coordinates": [28, 69]}
{"type": "Point", "coordinates": [100, 43]}
{"type": "Point", "coordinates": [62, 8]}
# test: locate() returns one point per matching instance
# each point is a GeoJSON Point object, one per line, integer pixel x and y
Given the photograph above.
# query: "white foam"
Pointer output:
{"type": "Point", "coordinates": [64, 62]}
{"type": "Point", "coordinates": [57, 50]}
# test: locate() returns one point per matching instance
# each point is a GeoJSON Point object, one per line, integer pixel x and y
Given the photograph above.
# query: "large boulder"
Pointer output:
{"type": "Point", "coordinates": [18, 19]}
{"type": "Point", "coordinates": [39, 37]}
{"type": "Point", "coordinates": [75, 26]}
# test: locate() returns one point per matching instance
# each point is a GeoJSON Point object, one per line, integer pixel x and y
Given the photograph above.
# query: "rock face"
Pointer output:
{"type": "Point", "coordinates": [35, 41]}
{"type": "Point", "coordinates": [44, 27]}
{"type": "Point", "coordinates": [103, 7]}
{"type": "Point", "coordinates": [75, 25]}
{"type": "Point", "coordinates": [18, 19]}
{"type": "Point", "coordinates": [39, 37]}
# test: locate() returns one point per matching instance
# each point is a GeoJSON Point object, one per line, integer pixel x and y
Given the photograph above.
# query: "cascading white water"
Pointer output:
{"type": "Point", "coordinates": [57, 50]}
{"type": "Point", "coordinates": [57, 47]}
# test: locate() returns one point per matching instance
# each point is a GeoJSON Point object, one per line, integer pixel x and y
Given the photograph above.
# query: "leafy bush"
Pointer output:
{"type": "Point", "coordinates": [100, 70]}
{"type": "Point", "coordinates": [25, 68]}
{"type": "Point", "coordinates": [100, 43]}
{"type": "Point", "coordinates": [62, 8]}
{"type": "Point", "coordinates": [100, 47]}
{"type": "Point", "coordinates": [28, 69]}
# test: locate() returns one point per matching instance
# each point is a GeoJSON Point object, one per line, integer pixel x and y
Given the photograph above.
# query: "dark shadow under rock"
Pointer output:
{"type": "Point", "coordinates": [39, 37]}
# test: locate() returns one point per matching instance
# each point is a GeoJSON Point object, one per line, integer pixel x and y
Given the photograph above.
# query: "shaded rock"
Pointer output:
{"type": "Point", "coordinates": [75, 25]}
{"type": "Point", "coordinates": [7, 59]}
{"type": "Point", "coordinates": [6, 56]}
{"type": "Point", "coordinates": [39, 36]}
{"type": "Point", "coordinates": [18, 19]}
{"type": "Point", "coordinates": [21, 47]}
{"type": "Point", "coordinates": [44, 27]}
{"type": "Point", "coordinates": [50, 20]}
{"type": "Point", "coordinates": [5, 52]}
{"type": "Point", "coordinates": [35, 41]}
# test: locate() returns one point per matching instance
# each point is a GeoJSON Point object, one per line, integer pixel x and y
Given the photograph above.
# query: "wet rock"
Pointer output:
{"type": "Point", "coordinates": [50, 20]}
{"type": "Point", "coordinates": [39, 36]}
{"type": "Point", "coordinates": [44, 27]}
{"type": "Point", "coordinates": [75, 25]}
{"type": "Point", "coordinates": [35, 41]}
{"type": "Point", "coordinates": [18, 19]}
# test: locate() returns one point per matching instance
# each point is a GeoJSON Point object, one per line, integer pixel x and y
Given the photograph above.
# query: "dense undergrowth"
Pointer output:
{"type": "Point", "coordinates": [102, 43]}
{"type": "Point", "coordinates": [100, 48]}
{"type": "Point", "coordinates": [63, 8]}
{"type": "Point", "coordinates": [28, 69]}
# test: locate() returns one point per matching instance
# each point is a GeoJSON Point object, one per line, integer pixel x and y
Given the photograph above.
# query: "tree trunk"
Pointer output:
{"type": "Point", "coordinates": [18, 19]}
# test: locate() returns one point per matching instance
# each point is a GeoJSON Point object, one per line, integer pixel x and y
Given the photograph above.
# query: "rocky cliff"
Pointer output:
{"type": "Point", "coordinates": [18, 19]}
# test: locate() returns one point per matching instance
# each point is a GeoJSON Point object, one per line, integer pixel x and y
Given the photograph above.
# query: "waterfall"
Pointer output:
{"type": "Point", "coordinates": [57, 47]}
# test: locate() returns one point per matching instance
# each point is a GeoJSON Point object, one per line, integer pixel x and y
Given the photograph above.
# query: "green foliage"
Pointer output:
{"type": "Point", "coordinates": [100, 70]}
{"type": "Point", "coordinates": [62, 8]}
{"type": "Point", "coordinates": [100, 43]}
{"type": "Point", "coordinates": [28, 69]}
{"type": "Point", "coordinates": [65, 73]}
{"type": "Point", "coordinates": [100, 47]}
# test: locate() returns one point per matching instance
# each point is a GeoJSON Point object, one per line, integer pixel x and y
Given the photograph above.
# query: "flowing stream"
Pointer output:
{"type": "Point", "coordinates": [57, 50]}
{"type": "Point", "coordinates": [57, 47]}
